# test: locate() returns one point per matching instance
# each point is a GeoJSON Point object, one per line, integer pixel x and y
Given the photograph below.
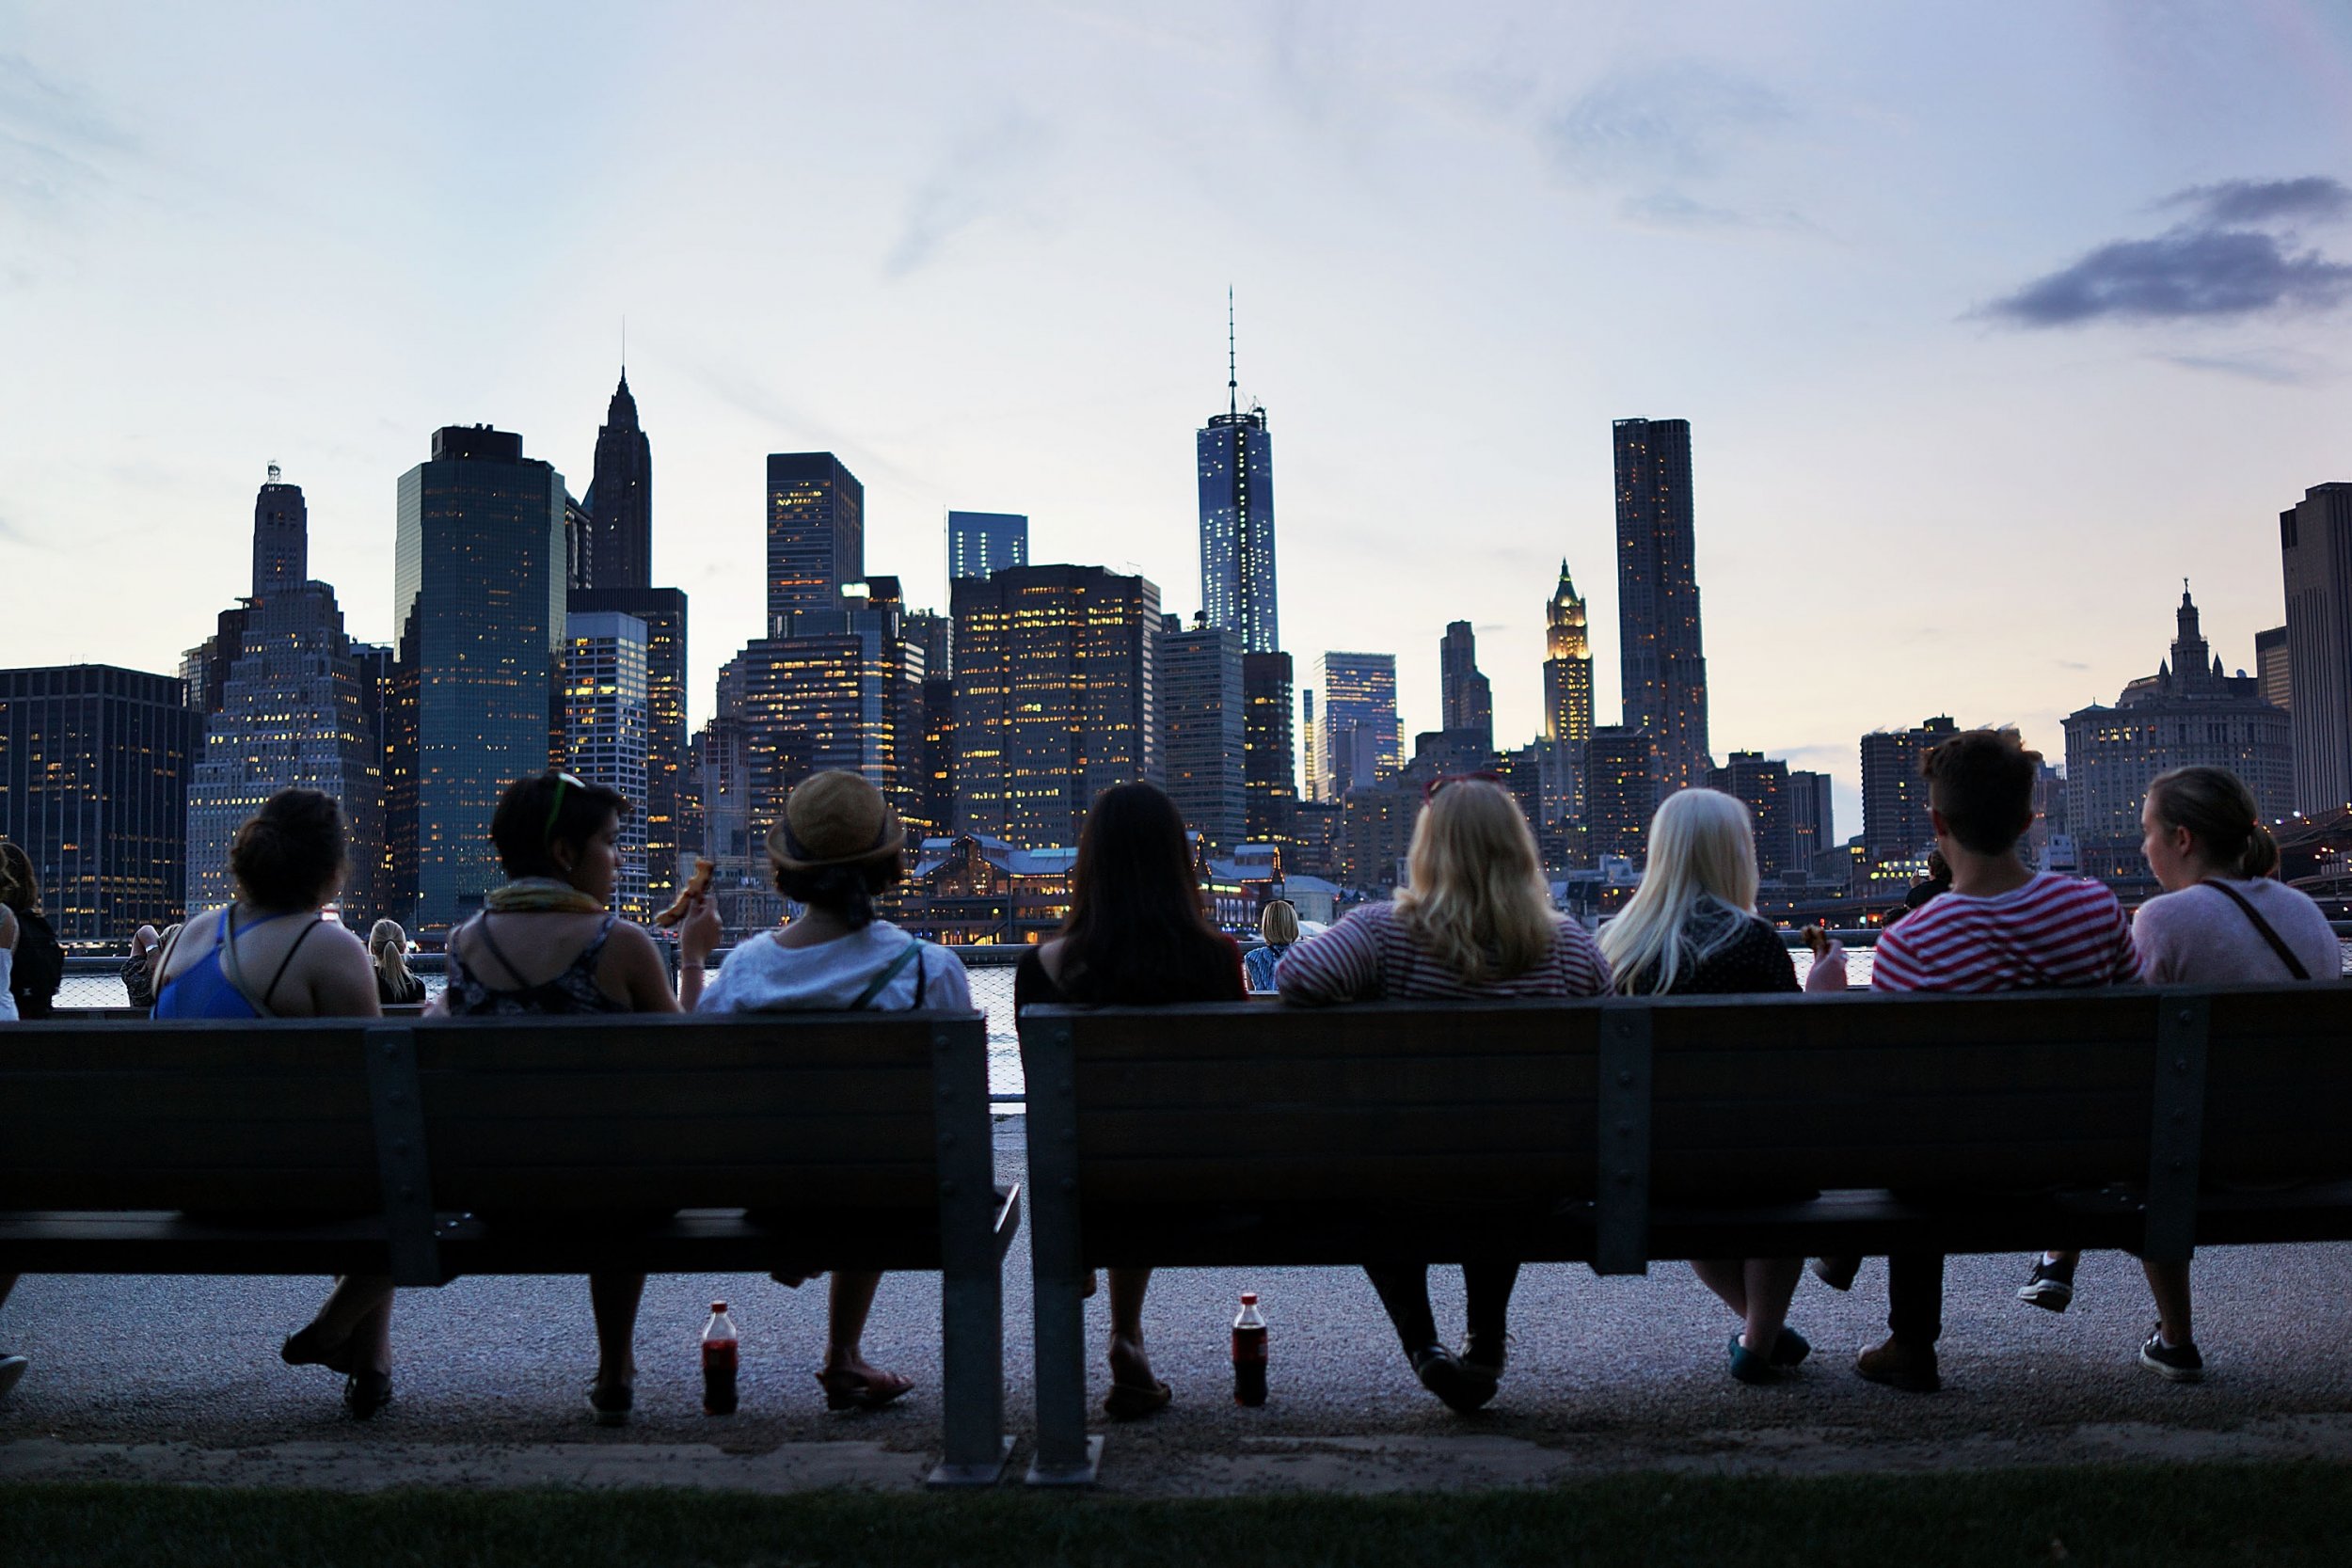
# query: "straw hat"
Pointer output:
{"type": "Point", "coordinates": [835, 819]}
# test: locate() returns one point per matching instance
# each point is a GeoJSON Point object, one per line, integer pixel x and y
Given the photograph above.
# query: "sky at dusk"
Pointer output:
{"type": "Point", "coordinates": [1993, 323]}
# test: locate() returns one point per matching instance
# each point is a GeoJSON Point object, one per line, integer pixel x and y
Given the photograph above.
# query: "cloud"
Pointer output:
{"type": "Point", "coordinates": [2270, 373]}
{"type": "Point", "coordinates": [13, 534]}
{"type": "Point", "coordinates": [972, 181]}
{"type": "Point", "coordinates": [2265, 201]}
{"type": "Point", "coordinates": [1665, 125]}
{"type": "Point", "coordinates": [2235, 258]}
{"type": "Point", "coordinates": [50, 137]}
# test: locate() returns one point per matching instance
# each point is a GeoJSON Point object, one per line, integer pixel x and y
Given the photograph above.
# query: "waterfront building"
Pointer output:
{"type": "Point", "coordinates": [2315, 552]}
{"type": "Point", "coordinates": [815, 535]}
{"type": "Point", "coordinates": [980, 543]}
{"type": "Point", "coordinates": [968, 888]}
{"type": "Point", "coordinates": [1812, 821]}
{"type": "Point", "coordinates": [478, 602]}
{"type": "Point", "coordinates": [1235, 457]}
{"type": "Point", "coordinates": [1203, 737]}
{"type": "Point", "coordinates": [1269, 747]}
{"type": "Point", "coordinates": [1467, 696]}
{"type": "Point", "coordinates": [615, 547]}
{"type": "Point", "coordinates": [607, 724]}
{"type": "Point", "coordinates": [2188, 714]}
{"type": "Point", "coordinates": [298, 708]}
{"type": "Point", "coordinates": [1621, 791]}
{"type": "Point", "coordinates": [1895, 823]}
{"type": "Point", "coordinates": [1763, 783]}
{"type": "Point", "coordinates": [1356, 740]}
{"type": "Point", "coordinates": [1054, 697]}
{"type": "Point", "coordinates": [1662, 662]}
{"type": "Point", "coordinates": [94, 764]}
{"type": "Point", "coordinates": [2271, 668]}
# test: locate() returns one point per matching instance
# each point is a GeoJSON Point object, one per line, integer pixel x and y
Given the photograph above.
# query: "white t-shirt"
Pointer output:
{"type": "Point", "coordinates": [763, 976]}
{"type": "Point", "coordinates": [7, 999]}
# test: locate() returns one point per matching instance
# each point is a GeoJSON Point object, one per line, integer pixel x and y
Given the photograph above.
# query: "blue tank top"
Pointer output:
{"type": "Point", "coordinates": [201, 990]}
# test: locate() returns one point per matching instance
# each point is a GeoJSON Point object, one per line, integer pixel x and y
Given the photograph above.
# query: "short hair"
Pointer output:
{"type": "Point", "coordinates": [289, 854]}
{"type": "Point", "coordinates": [536, 814]}
{"type": "Point", "coordinates": [1279, 922]}
{"type": "Point", "coordinates": [844, 891]}
{"type": "Point", "coordinates": [1981, 780]}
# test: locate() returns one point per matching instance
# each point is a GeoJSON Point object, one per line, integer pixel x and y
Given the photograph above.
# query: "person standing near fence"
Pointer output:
{"type": "Point", "coordinates": [395, 984]}
{"type": "Point", "coordinates": [1475, 922]}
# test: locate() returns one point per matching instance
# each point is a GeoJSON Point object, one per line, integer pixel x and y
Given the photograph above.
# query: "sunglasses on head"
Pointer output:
{"type": "Point", "coordinates": [555, 807]}
{"type": "Point", "coordinates": [1430, 790]}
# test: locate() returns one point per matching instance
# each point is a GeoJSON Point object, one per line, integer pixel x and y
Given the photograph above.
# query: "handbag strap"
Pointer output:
{"type": "Point", "coordinates": [890, 972]}
{"type": "Point", "coordinates": [2286, 954]}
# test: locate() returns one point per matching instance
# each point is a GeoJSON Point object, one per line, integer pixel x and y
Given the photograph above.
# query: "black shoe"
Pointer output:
{"type": "Point", "coordinates": [1442, 1376]}
{"type": "Point", "coordinates": [1836, 1273]}
{"type": "Point", "coordinates": [1791, 1349]}
{"type": "Point", "coordinates": [2175, 1363]}
{"type": "Point", "coordinates": [2051, 1286]}
{"type": "Point", "coordinates": [365, 1393]}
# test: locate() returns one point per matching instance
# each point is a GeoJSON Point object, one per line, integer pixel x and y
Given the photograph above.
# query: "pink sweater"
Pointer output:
{"type": "Point", "coordinates": [2197, 937]}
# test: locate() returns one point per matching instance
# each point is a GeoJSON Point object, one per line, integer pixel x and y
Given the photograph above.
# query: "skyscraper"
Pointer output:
{"type": "Point", "coordinates": [1468, 697]}
{"type": "Point", "coordinates": [607, 722]}
{"type": "Point", "coordinates": [815, 535]}
{"type": "Point", "coordinates": [93, 784]}
{"type": "Point", "coordinates": [980, 543]}
{"type": "Point", "coordinates": [1620, 790]}
{"type": "Point", "coordinates": [1568, 666]}
{"type": "Point", "coordinates": [616, 547]}
{"type": "Point", "coordinates": [1763, 783]}
{"type": "Point", "coordinates": [1235, 454]}
{"type": "Point", "coordinates": [298, 708]}
{"type": "Point", "coordinates": [1895, 823]}
{"type": "Point", "coordinates": [1663, 663]}
{"type": "Point", "coordinates": [1056, 697]}
{"type": "Point", "coordinates": [1269, 748]}
{"type": "Point", "coordinates": [2271, 668]}
{"type": "Point", "coordinates": [1812, 824]}
{"type": "Point", "coordinates": [1203, 737]}
{"type": "Point", "coordinates": [478, 599]}
{"type": "Point", "coordinates": [2315, 550]}
{"type": "Point", "coordinates": [1357, 737]}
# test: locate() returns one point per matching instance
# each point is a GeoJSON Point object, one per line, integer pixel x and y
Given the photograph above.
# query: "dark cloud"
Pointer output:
{"type": "Point", "coordinates": [2189, 273]}
{"type": "Point", "coordinates": [2264, 203]}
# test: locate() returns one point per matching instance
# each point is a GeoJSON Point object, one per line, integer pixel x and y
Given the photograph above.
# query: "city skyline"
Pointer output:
{"type": "Point", "coordinates": [1692, 216]}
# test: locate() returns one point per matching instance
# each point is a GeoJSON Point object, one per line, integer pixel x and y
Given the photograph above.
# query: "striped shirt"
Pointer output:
{"type": "Point", "coordinates": [1369, 954]}
{"type": "Point", "coordinates": [2055, 932]}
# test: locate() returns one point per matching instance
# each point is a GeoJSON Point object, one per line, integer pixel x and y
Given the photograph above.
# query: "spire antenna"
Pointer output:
{"type": "Point", "coordinates": [1232, 386]}
{"type": "Point", "coordinates": [623, 345]}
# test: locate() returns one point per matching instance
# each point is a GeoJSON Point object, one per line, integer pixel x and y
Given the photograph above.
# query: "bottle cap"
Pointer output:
{"type": "Point", "coordinates": [1250, 1298]}
{"type": "Point", "coordinates": [718, 1306]}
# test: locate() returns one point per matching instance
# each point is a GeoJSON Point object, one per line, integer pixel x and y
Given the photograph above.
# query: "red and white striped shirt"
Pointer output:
{"type": "Point", "coordinates": [2055, 932]}
{"type": "Point", "coordinates": [1369, 954]}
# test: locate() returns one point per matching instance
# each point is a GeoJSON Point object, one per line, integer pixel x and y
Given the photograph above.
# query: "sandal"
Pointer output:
{"type": "Point", "coordinates": [847, 1388]}
{"type": "Point", "coordinates": [365, 1393]}
{"type": "Point", "coordinates": [1132, 1401]}
{"type": "Point", "coordinates": [305, 1347]}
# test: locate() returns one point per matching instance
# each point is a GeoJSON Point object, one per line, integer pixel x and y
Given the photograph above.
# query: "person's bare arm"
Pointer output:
{"type": "Point", "coordinates": [8, 929]}
{"type": "Point", "coordinates": [697, 939]}
{"type": "Point", "coordinates": [339, 977]}
{"type": "Point", "coordinates": [636, 963]}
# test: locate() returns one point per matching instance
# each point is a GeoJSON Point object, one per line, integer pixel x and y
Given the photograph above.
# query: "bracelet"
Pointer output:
{"type": "Point", "coordinates": [694, 964]}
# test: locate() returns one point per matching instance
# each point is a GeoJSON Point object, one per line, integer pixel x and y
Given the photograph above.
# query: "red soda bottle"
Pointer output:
{"type": "Point", "coordinates": [719, 1357]}
{"type": "Point", "coordinates": [1248, 1353]}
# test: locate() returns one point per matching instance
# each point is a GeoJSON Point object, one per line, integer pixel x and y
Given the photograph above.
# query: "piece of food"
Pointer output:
{"type": "Point", "coordinates": [696, 885]}
{"type": "Point", "coordinates": [1818, 939]}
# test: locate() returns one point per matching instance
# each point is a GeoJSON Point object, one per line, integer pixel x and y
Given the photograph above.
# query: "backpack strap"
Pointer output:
{"type": "Point", "coordinates": [890, 972]}
{"type": "Point", "coordinates": [2286, 954]}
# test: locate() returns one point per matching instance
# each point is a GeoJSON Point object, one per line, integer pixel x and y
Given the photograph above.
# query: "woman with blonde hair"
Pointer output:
{"type": "Point", "coordinates": [1277, 923]}
{"type": "Point", "coordinates": [1691, 930]}
{"type": "Point", "coordinates": [1475, 923]}
{"type": "Point", "coordinates": [396, 985]}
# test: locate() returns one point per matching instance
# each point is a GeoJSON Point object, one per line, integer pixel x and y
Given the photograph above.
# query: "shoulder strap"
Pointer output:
{"type": "Point", "coordinates": [890, 972]}
{"type": "Point", "coordinates": [233, 969]}
{"type": "Point", "coordinates": [284, 964]}
{"type": "Point", "coordinates": [2286, 954]}
{"type": "Point", "coordinates": [481, 923]}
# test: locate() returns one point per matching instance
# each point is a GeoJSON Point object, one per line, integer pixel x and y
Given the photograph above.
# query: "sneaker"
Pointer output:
{"type": "Point", "coordinates": [1896, 1365]}
{"type": "Point", "coordinates": [1836, 1273]}
{"type": "Point", "coordinates": [1441, 1373]}
{"type": "Point", "coordinates": [2051, 1286]}
{"type": "Point", "coordinates": [11, 1367]}
{"type": "Point", "coordinates": [2173, 1362]}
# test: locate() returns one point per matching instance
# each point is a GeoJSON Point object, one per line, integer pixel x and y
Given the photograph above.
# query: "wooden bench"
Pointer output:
{"type": "Point", "coordinates": [793, 1142]}
{"type": "Point", "coordinates": [1613, 1133]}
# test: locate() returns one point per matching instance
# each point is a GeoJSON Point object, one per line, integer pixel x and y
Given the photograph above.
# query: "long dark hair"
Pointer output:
{"type": "Point", "coordinates": [1135, 932]}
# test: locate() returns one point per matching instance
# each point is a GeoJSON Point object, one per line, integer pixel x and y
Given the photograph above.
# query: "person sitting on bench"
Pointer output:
{"type": "Point", "coordinates": [1475, 922]}
{"type": "Point", "coordinates": [2000, 927]}
{"type": "Point", "coordinates": [837, 846]}
{"type": "Point", "coordinates": [1136, 938]}
{"type": "Point", "coordinates": [1691, 930]}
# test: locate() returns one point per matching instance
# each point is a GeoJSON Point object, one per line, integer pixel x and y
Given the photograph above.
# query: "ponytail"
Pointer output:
{"type": "Point", "coordinates": [2220, 813]}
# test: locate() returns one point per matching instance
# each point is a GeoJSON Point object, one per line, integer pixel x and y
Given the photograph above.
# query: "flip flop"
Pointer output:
{"type": "Point", "coordinates": [848, 1391]}
{"type": "Point", "coordinates": [1132, 1401]}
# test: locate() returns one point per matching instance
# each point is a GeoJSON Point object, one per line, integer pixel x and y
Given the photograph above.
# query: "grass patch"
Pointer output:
{"type": "Point", "coordinates": [2270, 1514]}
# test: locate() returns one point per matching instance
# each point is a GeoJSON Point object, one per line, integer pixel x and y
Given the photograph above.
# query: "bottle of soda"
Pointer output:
{"type": "Point", "coordinates": [719, 1360]}
{"type": "Point", "coordinates": [1248, 1353]}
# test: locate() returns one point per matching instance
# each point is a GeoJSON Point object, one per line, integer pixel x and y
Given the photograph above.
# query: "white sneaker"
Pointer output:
{"type": "Point", "coordinates": [11, 1367]}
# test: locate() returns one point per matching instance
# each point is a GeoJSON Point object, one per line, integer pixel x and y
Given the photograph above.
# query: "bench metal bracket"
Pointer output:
{"type": "Point", "coordinates": [1621, 1238]}
{"type": "Point", "coordinates": [401, 1164]}
{"type": "Point", "coordinates": [972, 1285]}
{"type": "Point", "coordinates": [2176, 1142]}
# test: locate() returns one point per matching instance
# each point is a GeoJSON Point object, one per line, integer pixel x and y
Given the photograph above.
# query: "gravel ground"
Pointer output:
{"type": "Point", "coordinates": [1605, 1372]}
